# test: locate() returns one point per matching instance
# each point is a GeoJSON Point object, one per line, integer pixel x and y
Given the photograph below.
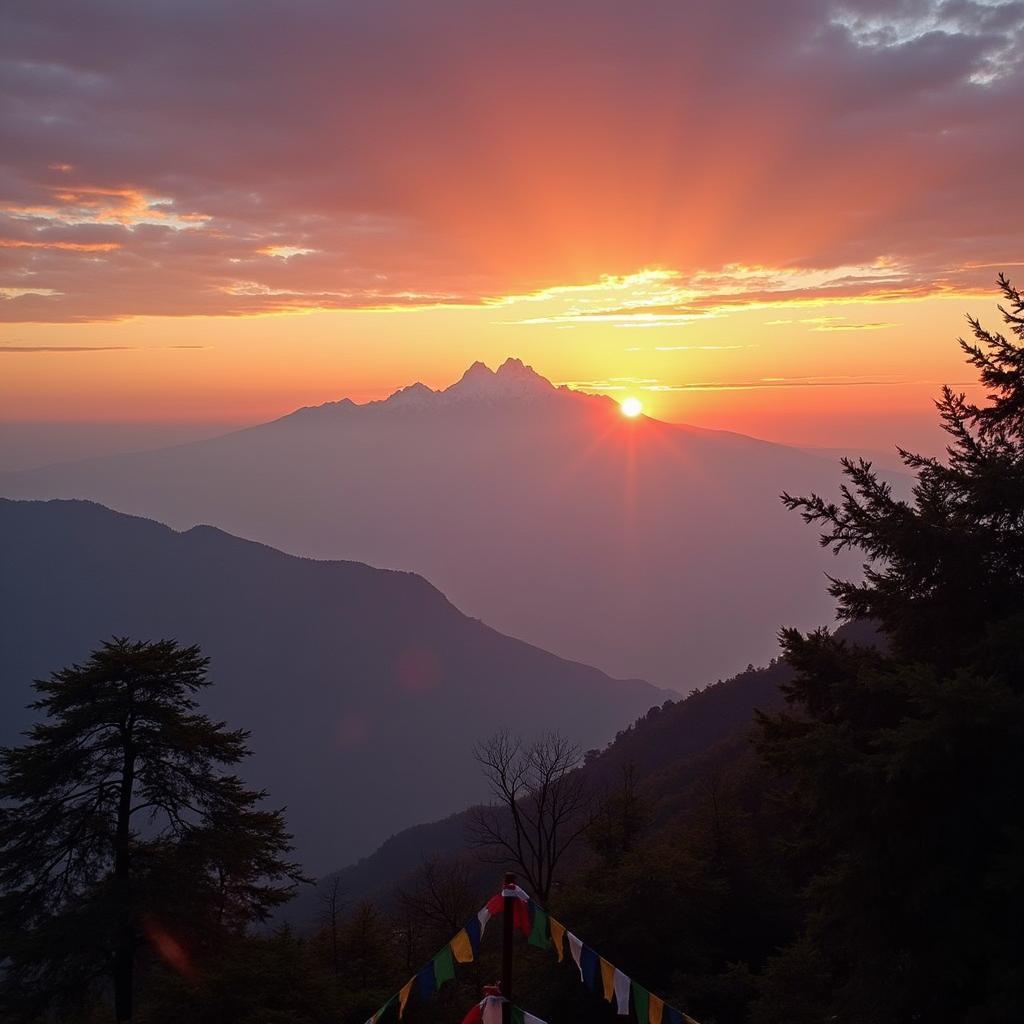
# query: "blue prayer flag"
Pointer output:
{"type": "Point", "coordinates": [426, 984]}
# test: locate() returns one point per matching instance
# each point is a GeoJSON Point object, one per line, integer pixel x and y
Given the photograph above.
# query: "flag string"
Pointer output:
{"type": "Point", "coordinates": [461, 948]}
{"type": "Point", "coordinates": [599, 974]}
{"type": "Point", "coordinates": [544, 932]}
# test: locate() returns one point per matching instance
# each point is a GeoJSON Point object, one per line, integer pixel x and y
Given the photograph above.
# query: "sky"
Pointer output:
{"type": "Point", "coordinates": [769, 218]}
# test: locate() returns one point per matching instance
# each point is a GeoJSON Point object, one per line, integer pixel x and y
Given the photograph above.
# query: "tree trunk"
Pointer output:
{"type": "Point", "coordinates": [123, 970]}
{"type": "Point", "coordinates": [124, 948]}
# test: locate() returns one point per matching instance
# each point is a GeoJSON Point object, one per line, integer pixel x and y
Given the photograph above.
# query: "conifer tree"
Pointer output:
{"type": "Point", "coordinates": [903, 762]}
{"type": "Point", "coordinates": [124, 833]}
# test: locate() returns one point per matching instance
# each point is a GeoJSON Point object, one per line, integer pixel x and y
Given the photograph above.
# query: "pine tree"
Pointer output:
{"type": "Point", "coordinates": [903, 762]}
{"type": "Point", "coordinates": [123, 831]}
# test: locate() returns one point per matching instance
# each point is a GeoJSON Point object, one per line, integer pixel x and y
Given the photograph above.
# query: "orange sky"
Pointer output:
{"type": "Point", "coordinates": [776, 231]}
{"type": "Point", "coordinates": [831, 374]}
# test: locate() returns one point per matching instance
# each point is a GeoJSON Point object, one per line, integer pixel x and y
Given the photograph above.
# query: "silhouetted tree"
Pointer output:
{"type": "Point", "coordinates": [904, 763]}
{"type": "Point", "coordinates": [541, 808]}
{"type": "Point", "coordinates": [120, 824]}
{"type": "Point", "coordinates": [619, 819]}
{"type": "Point", "coordinates": [333, 902]}
{"type": "Point", "coordinates": [366, 947]}
{"type": "Point", "coordinates": [256, 979]}
{"type": "Point", "coordinates": [441, 894]}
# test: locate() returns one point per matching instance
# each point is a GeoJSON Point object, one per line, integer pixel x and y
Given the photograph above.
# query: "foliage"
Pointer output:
{"type": "Point", "coordinates": [122, 835]}
{"type": "Point", "coordinates": [903, 764]}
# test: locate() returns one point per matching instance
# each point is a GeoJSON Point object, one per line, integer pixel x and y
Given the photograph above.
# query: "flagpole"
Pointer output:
{"type": "Point", "coordinates": [506, 948]}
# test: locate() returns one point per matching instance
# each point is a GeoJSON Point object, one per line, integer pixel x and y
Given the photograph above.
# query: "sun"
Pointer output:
{"type": "Point", "coordinates": [631, 407]}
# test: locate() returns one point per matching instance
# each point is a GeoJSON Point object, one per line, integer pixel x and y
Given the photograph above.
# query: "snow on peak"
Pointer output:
{"type": "Point", "coordinates": [513, 380]}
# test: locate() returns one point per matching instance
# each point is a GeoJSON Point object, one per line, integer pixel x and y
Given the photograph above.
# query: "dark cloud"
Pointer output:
{"type": "Point", "coordinates": [154, 156]}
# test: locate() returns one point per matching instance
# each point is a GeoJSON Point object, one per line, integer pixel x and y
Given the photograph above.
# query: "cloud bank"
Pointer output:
{"type": "Point", "coordinates": [238, 158]}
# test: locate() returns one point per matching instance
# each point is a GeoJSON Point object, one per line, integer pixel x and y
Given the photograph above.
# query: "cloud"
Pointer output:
{"type": "Point", "coordinates": [697, 348]}
{"type": "Point", "coordinates": [26, 243]}
{"type": "Point", "coordinates": [677, 300]}
{"type": "Point", "coordinates": [89, 348]}
{"type": "Point", "coordinates": [834, 323]}
{"type": "Point", "coordinates": [65, 348]}
{"type": "Point", "coordinates": [287, 157]}
{"type": "Point", "coordinates": [760, 384]}
{"type": "Point", "coordinates": [877, 325]}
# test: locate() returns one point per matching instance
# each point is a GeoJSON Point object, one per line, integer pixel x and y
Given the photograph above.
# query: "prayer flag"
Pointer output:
{"type": "Point", "coordinates": [492, 1010]}
{"type": "Point", "coordinates": [621, 984]}
{"type": "Point", "coordinates": [426, 983]}
{"type": "Point", "coordinates": [380, 1013]}
{"type": "Point", "coordinates": [641, 1004]}
{"type": "Point", "coordinates": [607, 979]}
{"type": "Point", "coordinates": [557, 936]}
{"type": "Point", "coordinates": [654, 1009]}
{"type": "Point", "coordinates": [481, 920]}
{"type": "Point", "coordinates": [520, 1016]}
{"type": "Point", "coordinates": [520, 910]}
{"type": "Point", "coordinates": [539, 931]}
{"type": "Point", "coordinates": [576, 948]}
{"type": "Point", "coordinates": [474, 931]}
{"type": "Point", "coordinates": [462, 948]}
{"type": "Point", "coordinates": [488, 1010]}
{"type": "Point", "coordinates": [403, 996]}
{"type": "Point", "coordinates": [444, 966]}
{"type": "Point", "coordinates": [590, 966]}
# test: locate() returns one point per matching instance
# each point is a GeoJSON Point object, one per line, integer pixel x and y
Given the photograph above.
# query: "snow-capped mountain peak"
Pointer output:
{"type": "Point", "coordinates": [513, 380]}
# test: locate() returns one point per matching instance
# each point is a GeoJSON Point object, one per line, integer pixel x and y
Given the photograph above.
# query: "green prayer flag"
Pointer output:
{"type": "Point", "coordinates": [379, 1015]}
{"type": "Point", "coordinates": [516, 1016]}
{"type": "Point", "coordinates": [641, 1003]}
{"type": "Point", "coordinates": [539, 935]}
{"type": "Point", "coordinates": [444, 966]}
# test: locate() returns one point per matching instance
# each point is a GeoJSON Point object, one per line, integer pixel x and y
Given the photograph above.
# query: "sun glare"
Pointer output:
{"type": "Point", "coordinates": [631, 407]}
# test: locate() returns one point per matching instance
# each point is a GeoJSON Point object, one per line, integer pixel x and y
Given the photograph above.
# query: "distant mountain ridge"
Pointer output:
{"type": "Point", "coordinates": [648, 549]}
{"type": "Point", "coordinates": [512, 381]}
{"type": "Point", "coordinates": [365, 689]}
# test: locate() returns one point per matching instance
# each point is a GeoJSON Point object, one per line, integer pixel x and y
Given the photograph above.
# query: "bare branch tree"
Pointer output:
{"type": "Point", "coordinates": [540, 805]}
{"type": "Point", "coordinates": [441, 893]}
{"type": "Point", "coordinates": [407, 927]}
{"type": "Point", "coordinates": [333, 900]}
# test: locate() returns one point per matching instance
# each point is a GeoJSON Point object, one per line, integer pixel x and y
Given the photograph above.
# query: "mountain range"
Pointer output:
{"type": "Point", "coordinates": [365, 689]}
{"type": "Point", "coordinates": [645, 548]}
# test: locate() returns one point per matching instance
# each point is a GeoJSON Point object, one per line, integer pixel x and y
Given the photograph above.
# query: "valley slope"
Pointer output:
{"type": "Point", "coordinates": [365, 689]}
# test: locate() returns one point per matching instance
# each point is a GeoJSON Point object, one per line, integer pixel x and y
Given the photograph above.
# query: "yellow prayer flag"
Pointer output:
{"type": "Point", "coordinates": [557, 936]}
{"type": "Point", "coordinates": [608, 978]}
{"type": "Point", "coordinates": [462, 948]}
{"type": "Point", "coordinates": [403, 996]}
{"type": "Point", "coordinates": [655, 1006]}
